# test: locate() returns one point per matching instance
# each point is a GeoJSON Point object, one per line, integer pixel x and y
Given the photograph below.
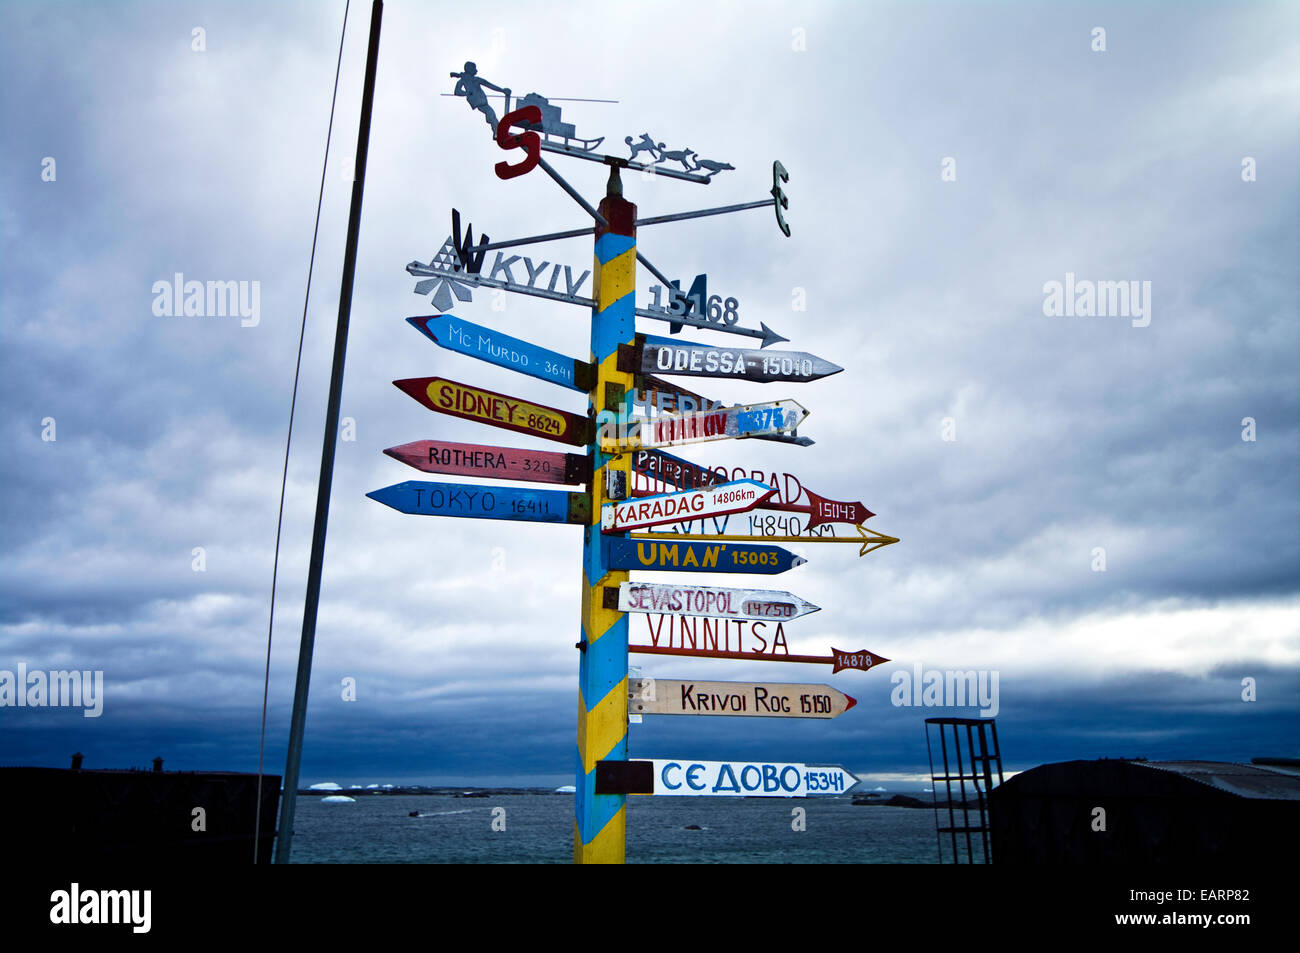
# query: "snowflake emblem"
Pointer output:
{"type": "Point", "coordinates": [446, 277]}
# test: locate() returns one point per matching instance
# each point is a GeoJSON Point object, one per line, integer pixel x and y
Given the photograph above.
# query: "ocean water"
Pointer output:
{"type": "Point", "coordinates": [539, 829]}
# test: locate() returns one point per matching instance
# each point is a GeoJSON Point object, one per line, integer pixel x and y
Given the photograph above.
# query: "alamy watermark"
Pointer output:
{"type": "Point", "coordinates": [55, 689]}
{"type": "Point", "coordinates": [210, 299]}
{"type": "Point", "coordinates": [945, 689]}
{"type": "Point", "coordinates": [1102, 299]}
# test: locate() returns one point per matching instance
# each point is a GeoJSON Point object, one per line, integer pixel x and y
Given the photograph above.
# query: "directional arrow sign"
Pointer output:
{"type": "Point", "coordinates": [744, 420]}
{"type": "Point", "coordinates": [685, 776]}
{"type": "Point", "coordinates": [699, 360]}
{"type": "Point", "coordinates": [497, 463]}
{"type": "Point", "coordinates": [700, 557]}
{"type": "Point", "coordinates": [664, 395]}
{"type": "Point", "coordinates": [498, 410]}
{"type": "Point", "coordinates": [734, 497]}
{"type": "Point", "coordinates": [488, 503]}
{"type": "Point", "coordinates": [859, 661]}
{"type": "Point", "coordinates": [712, 601]}
{"type": "Point", "coordinates": [668, 696]}
{"type": "Point", "coordinates": [674, 471]}
{"type": "Point", "coordinates": [869, 539]}
{"type": "Point", "coordinates": [474, 340]}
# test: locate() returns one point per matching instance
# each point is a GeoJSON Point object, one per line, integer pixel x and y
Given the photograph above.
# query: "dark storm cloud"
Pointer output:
{"type": "Point", "coordinates": [1071, 433]}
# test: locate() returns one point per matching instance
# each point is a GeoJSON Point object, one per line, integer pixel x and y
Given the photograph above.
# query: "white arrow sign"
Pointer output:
{"type": "Point", "coordinates": [712, 601]}
{"type": "Point", "coordinates": [718, 500]}
{"type": "Point", "coordinates": [724, 423]}
{"type": "Point", "coordinates": [749, 778]}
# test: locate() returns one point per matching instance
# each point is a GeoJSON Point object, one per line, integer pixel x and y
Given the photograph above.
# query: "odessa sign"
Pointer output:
{"type": "Point", "coordinates": [474, 340]}
{"type": "Point", "coordinates": [485, 503]}
{"type": "Point", "coordinates": [496, 463]}
{"type": "Point", "coordinates": [735, 497]}
{"type": "Point", "coordinates": [712, 601]}
{"type": "Point", "coordinates": [702, 360]}
{"type": "Point", "coordinates": [669, 696]}
{"type": "Point", "coordinates": [496, 410]}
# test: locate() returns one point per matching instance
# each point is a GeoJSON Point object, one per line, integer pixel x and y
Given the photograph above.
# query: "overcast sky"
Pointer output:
{"type": "Point", "coordinates": [1169, 157]}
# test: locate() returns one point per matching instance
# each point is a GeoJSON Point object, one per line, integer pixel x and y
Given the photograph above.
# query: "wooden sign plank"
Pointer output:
{"type": "Point", "coordinates": [679, 556]}
{"type": "Point", "coordinates": [670, 696]}
{"type": "Point", "coordinates": [474, 501]}
{"type": "Point", "coordinates": [839, 661]}
{"type": "Point", "coordinates": [497, 410]}
{"type": "Point", "coordinates": [712, 601]}
{"type": "Point", "coordinates": [674, 471]}
{"type": "Point", "coordinates": [658, 395]}
{"type": "Point", "coordinates": [686, 777]}
{"type": "Point", "coordinates": [869, 539]}
{"type": "Point", "coordinates": [487, 344]}
{"type": "Point", "coordinates": [727, 423]}
{"type": "Point", "coordinates": [735, 497]}
{"type": "Point", "coordinates": [495, 463]}
{"type": "Point", "coordinates": [702, 360]}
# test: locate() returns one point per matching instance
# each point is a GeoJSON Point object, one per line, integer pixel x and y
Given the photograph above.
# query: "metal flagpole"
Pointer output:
{"type": "Point", "coordinates": [288, 801]}
{"type": "Point", "coordinates": [600, 822]}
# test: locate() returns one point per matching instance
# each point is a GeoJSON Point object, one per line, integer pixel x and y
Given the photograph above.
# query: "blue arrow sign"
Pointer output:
{"type": "Point", "coordinates": [683, 556]}
{"type": "Point", "coordinates": [474, 340]}
{"type": "Point", "coordinates": [477, 501]}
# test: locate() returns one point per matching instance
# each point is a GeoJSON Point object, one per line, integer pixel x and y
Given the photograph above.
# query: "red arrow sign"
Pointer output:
{"type": "Point", "coordinates": [674, 471]}
{"type": "Point", "coordinates": [497, 463]}
{"type": "Point", "coordinates": [859, 661]}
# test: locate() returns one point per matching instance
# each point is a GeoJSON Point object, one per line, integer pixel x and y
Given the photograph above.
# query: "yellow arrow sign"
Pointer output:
{"type": "Point", "coordinates": [870, 540]}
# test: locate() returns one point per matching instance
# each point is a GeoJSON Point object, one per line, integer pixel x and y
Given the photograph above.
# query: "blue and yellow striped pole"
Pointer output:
{"type": "Point", "coordinates": [600, 821]}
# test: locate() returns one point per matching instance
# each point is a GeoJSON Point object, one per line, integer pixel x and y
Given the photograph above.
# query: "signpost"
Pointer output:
{"type": "Point", "coordinates": [484, 502]}
{"type": "Point", "coordinates": [745, 420]}
{"type": "Point", "coordinates": [474, 340]}
{"type": "Point", "coordinates": [735, 497]}
{"type": "Point", "coordinates": [700, 557]}
{"type": "Point", "coordinates": [685, 777]}
{"type": "Point", "coordinates": [699, 360]}
{"type": "Point", "coordinates": [496, 410]}
{"type": "Point", "coordinates": [623, 365]}
{"type": "Point", "coordinates": [712, 601]}
{"type": "Point", "coordinates": [671, 696]}
{"type": "Point", "coordinates": [496, 463]}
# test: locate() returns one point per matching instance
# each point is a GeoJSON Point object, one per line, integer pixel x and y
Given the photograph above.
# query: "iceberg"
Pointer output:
{"type": "Point", "coordinates": [325, 786]}
{"type": "Point", "coordinates": [566, 789]}
{"type": "Point", "coordinates": [338, 799]}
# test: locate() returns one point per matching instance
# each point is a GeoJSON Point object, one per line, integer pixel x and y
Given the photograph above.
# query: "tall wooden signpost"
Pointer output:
{"type": "Point", "coordinates": [627, 529]}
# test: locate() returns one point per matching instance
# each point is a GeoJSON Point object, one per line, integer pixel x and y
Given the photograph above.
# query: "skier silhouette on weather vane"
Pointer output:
{"type": "Point", "coordinates": [470, 85]}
